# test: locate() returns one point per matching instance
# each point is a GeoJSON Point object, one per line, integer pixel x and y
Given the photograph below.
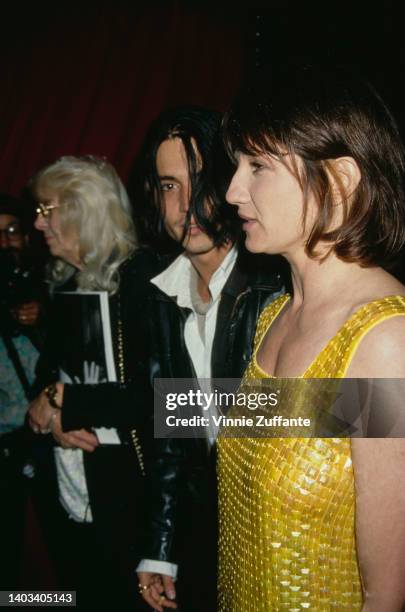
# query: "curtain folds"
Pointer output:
{"type": "Point", "coordinates": [90, 78]}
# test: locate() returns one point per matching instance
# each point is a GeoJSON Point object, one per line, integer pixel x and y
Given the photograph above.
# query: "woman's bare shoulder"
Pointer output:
{"type": "Point", "coordinates": [376, 286]}
{"type": "Point", "coordinates": [381, 353]}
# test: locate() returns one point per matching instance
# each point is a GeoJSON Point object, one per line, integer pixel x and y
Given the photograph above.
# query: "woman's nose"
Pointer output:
{"type": "Point", "coordinates": [236, 193]}
{"type": "Point", "coordinates": [40, 222]}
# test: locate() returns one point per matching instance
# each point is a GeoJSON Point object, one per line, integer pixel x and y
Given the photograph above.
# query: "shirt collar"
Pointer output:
{"type": "Point", "coordinates": [175, 280]}
{"type": "Point", "coordinates": [222, 273]}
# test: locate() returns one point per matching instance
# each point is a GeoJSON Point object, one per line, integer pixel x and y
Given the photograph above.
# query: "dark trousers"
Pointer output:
{"type": "Point", "coordinates": [97, 559]}
{"type": "Point", "coordinates": [14, 488]}
{"type": "Point", "coordinates": [197, 545]}
{"type": "Point", "coordinates": [85, 565]}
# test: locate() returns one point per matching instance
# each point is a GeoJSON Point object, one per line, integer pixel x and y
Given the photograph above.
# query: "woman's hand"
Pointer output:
{"type": "Point", "coordinates": [82, 438]}
{"type": "Point", "coordinates": [157, 590]}
{"type": "Point", "coordinates": [40, 412]}
{"type": "Point", "coordinates": [43, 418]}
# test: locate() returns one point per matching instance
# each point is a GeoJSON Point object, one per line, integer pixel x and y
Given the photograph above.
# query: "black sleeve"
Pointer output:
{"type": "Point", "coordinates": [124, 406]}
{"type": "Point", "coordinates": [181, 502]}
{"type": "Point", "coordinates": [165, 489]}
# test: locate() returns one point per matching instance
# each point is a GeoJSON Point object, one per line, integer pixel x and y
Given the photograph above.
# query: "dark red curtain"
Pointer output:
{"type": "Point", "coordinates": [89, 79]}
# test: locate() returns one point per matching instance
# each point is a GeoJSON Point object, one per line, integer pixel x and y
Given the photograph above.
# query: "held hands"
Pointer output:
{"type": "Point", "coordinates": [157, 590]}
{"type": "Point", "coordinates": [43, 418]}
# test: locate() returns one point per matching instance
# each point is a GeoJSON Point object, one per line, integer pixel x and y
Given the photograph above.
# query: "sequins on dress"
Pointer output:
{"type": "Point", "coordinates": [287, 505]}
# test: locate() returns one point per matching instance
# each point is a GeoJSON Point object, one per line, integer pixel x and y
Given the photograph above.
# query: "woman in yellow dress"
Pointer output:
{"type": "Point", "coordinates": [318, 523]}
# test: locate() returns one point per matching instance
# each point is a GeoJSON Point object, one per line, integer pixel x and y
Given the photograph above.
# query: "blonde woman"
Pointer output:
{"type": "Point", "coordinates": [90, 486]}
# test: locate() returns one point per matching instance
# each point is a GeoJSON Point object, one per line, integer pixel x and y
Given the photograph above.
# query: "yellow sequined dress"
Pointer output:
{"type": "Point", "coordinates": [287, 505]}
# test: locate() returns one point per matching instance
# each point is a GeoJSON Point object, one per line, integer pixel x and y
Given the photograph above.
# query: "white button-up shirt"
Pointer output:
{"type": "Point", "coordinates": [176, 281]}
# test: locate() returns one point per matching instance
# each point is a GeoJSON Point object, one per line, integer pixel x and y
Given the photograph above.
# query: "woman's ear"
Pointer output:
{"type": "Point", "coordinates": [344, 176]}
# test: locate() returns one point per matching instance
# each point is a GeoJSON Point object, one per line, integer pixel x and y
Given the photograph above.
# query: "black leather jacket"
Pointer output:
{"type": "Point", "coordinates": [114, 475]}
{"type": "Point", "coordinates": [112, 404]}
{"type": "Point", "coordinates": [182, 485]}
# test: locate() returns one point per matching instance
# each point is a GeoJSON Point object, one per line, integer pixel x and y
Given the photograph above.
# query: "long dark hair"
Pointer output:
{"type": "Point", "coordinates": [198, 129]}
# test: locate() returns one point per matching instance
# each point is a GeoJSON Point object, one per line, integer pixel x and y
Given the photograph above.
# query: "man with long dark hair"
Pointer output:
{"type": "Point", "coordinates": [203, 312]}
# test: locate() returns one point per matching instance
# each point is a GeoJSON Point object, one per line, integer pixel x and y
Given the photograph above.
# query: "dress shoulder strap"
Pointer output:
{"type": "Point", "coordinates": [336, 357]}
{"type": "Point", "coordinates": [267, 316]}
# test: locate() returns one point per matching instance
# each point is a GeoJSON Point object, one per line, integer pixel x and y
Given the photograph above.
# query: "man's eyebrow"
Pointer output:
{"type": "Point", "coordinates": [166, 177]}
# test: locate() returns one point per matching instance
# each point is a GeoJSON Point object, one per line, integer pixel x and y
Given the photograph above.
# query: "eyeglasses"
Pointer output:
{"type": "Point", "coordinates": [12, 230]}
{"type": "Point", "coordinates": [45, 209]}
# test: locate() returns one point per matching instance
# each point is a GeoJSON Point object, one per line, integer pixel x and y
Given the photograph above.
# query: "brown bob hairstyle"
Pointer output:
{"type": "Point", "coordinates": [321, 115]}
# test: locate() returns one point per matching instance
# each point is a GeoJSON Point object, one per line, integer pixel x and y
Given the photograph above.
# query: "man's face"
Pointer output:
{"type": "Point", "coordinates": [172, 169]}
{"type": "Point", "coordinates": [11, 236]}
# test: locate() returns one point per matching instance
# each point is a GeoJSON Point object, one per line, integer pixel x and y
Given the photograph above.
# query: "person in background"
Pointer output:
{"type": "Point", "coordinates": [203, 314]}
{"type": "Point", "coordinates": [92, 461]}
{"type": "Point", "coordinates": [21, 293]}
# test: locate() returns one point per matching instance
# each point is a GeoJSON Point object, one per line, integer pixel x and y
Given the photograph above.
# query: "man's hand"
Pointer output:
{"type": "Point", "coordinates": [27, 314]}
{"type": "Point", "coordinates": [157, 590]}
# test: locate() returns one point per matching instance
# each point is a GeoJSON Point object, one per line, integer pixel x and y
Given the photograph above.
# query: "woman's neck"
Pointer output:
{"type": "Point", "coordinates": [324, 281]}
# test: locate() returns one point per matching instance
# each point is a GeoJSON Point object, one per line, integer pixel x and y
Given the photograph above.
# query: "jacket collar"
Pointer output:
{"type": "Point", "coordinates": [251, 273]}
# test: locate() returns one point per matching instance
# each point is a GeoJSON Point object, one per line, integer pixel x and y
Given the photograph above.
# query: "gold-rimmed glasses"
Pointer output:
{"type": "Point", "coordinates": [45, 209]}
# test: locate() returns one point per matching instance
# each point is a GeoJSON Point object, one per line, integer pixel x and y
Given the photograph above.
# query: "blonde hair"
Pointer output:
{"type": "Point", "coordinates": [95, 205]}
